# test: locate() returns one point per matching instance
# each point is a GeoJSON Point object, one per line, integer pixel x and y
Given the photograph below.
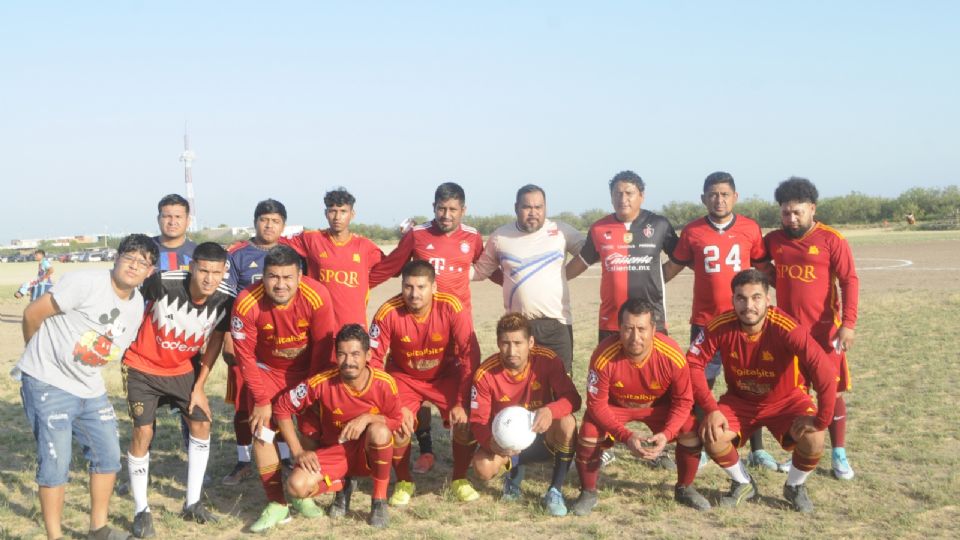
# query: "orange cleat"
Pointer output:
{"type": "Point", "coordinates": [423, 464]}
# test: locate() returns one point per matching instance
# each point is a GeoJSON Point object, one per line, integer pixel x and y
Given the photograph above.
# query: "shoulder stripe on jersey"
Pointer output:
{"type": "Point", "coordinates": [254, 296]}
{"type": "Point", "coordinates": [226, 289]}
{"type": "Point", "coordinates": [422, 226]}
{"type": "Point", "coordinates": [323, 376]}
{"type": "Point", "coordinates": [311, 295]}
{"type": "Point", "coordinates": [468, 229]}
{"type": "Point", "coordinates": [488, 364]}
{"type": "Point", "coordinates": [543, 351]}
{"type": "Point", "coordinates": [387, 307]}
{"type": "Point", "coordinates": [610, 352]}
{"type": "Point", "coordinates": [669, 352]}
{"type": "Point", "coordinates": [721, 319]}
{"type": "Point", "coordinates": [782, 321]}
{"type": "Point", "coordinates": [387, 378]}
{"type": "Point", "coordinates": [174, 274]}
{"type": "Point", "coordinates": [449, 299]}
{"type": "Point", "coordinates": [831, 230]}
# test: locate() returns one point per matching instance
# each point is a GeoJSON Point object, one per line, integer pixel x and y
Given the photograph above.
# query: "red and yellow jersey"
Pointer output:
{"type": "Point", "coordinates": [716, 255]}
{"type": "Point", "coordinates": [661, 379]}
{"type": "Point", "coordinates": [337, 403]}
{"type": "Point", "coordinates": [295, 339]}
{"type": "Point", "coordinates": [419, 346]}
{"type": "Point", "coordinates": [452, 255]}
{"type": "Point", "coordinates": [343, 268]}
{"type": "Point", "coordinates": [767, 368]}
{"type": "Point", "coordinates": [815, 274]}
{"type": "Point", "coordinates": [542, 383]}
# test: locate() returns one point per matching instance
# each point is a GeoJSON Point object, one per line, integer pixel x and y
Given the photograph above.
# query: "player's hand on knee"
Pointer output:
{"type": "Point", "coordinates": [713, 427]}
{"type": "Point", "coordinates": [260, 417]}
{"type": "Point", "coordinates": [307, 460]}
{"type": "Point", "coordinates": [542, 419]}
{"type": "Point", "coordinates": [353, 429]}
{"type": "Point", "coordinates": [802, 425]}
{"type": "Point", "coordinates": [653, 446]}
{"type": "Point", "coordinates": [458, 415]}
{"type": "Point", "coordinates": [407, 422]}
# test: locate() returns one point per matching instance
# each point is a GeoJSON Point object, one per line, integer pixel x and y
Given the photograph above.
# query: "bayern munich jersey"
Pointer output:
{"type": "Point", "coordinates": [245, 264]}
{"type": "Point", "coordinates": [715, 255]}
{"type": "Point", "coordinates": [177, 258]}
{"type": "Point", "coordinates": [174, 328]}
{"type": "Point", "coordinates": [630, 254]}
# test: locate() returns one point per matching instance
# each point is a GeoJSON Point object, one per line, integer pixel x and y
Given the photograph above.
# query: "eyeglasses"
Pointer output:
{"type": "Point", "coordinates": [135, 262]}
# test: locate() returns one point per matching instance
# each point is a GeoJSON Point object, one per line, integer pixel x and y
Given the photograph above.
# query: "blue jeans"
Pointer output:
{"type": "Point", "coordinates": [56, 418]}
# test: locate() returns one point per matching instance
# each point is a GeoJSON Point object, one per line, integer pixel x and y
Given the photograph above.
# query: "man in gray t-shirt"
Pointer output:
{"type": "Point", "coordinates": [84, 322]}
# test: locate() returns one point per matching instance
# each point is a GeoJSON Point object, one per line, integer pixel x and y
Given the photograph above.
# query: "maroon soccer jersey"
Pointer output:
{"type": "Point", "coordinates": [630, 254]}
{"type": "Point", "coordinates": [716, 255]}
{"type": "Point", "coordinates": [767, 368]}
{"type": "Point", "coordinates": [809, 270]}
{"type": "Point", "coordinates": [543, 383]}
{"type": "Point", "coordinates": [452, 256]}
{"type": "Point", "coordinates": [662, 379]}
{"type": "Point", "coordinates": [343, 268]}
{"type": "Point", "coordinates": [336, 403]}
{"type": "Point", "coordinates": [417, 345]}
{"type": "Point", "coordinates": [282, 345]}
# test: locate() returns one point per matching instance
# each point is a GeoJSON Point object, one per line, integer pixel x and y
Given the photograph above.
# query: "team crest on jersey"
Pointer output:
{"type": "Point", "coordinates": [436, 337]}
{"type": "Point", "coordinates": [766, 356]}
{"type": "Point", "coordinates": [813, 250]}
{"type": "Point", "coordinates": [356, 257]}
{"type": "Point", "coordinates": [374, 410]}
{"type": "Point", "coordinates": [648, 231]}
{"type": "Point", "coordinates": [592, 379]}
{"type": "Point", "coordinates": [655, 385]}
{"type": "Point", "coordinates": [628, 237]}
{"type": "Point", "coordinates": [464, 247]}
{"type": "Point", "coordinates": [297, 394]}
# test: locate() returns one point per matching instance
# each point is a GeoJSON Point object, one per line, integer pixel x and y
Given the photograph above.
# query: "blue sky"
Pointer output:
{"type": "Point", "coordinates": [289, 99]}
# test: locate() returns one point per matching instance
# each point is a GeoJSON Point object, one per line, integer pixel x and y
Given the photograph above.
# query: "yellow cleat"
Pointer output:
{"type": "Point", "coordinates": [402, 493]}
{"type": "Point", "coordinates": [463, 490]}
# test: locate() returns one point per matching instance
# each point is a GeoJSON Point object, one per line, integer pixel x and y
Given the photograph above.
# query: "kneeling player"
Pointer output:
{"type": "Point", "coordinates": [764, 351]}
{"type": "Point", "coordinates": [359, 409]}
{"type": "Point", "coordinates": [638, 375]}
{"type": "Point", "coordinates": [533, 378]}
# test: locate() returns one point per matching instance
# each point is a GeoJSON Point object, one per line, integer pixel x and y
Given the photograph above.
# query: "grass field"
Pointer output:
{"type": "Point", "coordinates": [903, 434]}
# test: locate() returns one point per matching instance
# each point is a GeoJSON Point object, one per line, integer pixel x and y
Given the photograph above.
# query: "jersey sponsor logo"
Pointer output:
{"type": "Point", "coordinates": [176, 345]}
{"type": "Point", "coordinates": [648, 231]}
{"type": "Point", "coordinates": [290, 353]}
{"type": "Point", "coordinates": [755, 372]}
{"type": "Point", "coordinates": [297, 394]}
{"type": "Point", "coordinates": [592, 379]}
{"type": "Point", "coordinates": [813, 250]}
{"type": "Point", "coordinates": [799, 272]}
{"type": "Point", "coordinates": [283, 340]}
{"type": "Point", "coordinates": [464, 247]}
{"type": "Point", "coordinates": [766, 356]}
{"type": "Point", "coordinates": [619, 262]}
{"type": "Point", "coordinates": [424, 365]}
{"type": "Point", "coordinates": [340, 277]}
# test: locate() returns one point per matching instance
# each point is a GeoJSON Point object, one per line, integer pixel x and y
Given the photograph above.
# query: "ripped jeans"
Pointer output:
{"type": "Point", "coordinates": [56, 418]}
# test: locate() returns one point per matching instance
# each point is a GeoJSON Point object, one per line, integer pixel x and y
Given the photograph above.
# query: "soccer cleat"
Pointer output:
{"type": "Point", "coordinates": [606, 458]}
{"type": "Point", "coordinates": [198, 513]}
{"type": "Point", "coordinates": [841, 467]}
{"type": "Point", "coordinates": [662, 461]}
{"type": "Point", "coordinates": [341, 501]}
{"type": "Point", "coordinates": [739, 493]}
{"type": "Point", "coordinates": [763, 460]}
{"type": "Point", "coordinates": [143, 525]}
{"type": "Point", "coordinates": [689, 496]}
{"type": "Point", "coordinates": [553, 503]}
{"type": "Point", "coordinates": [704, 459]}
{"type": "Point", "coordinates": [378, 514]}
{"type": "Point", "coordinates": [511, 484]}
{"type": "Point", "coordinates": [306, 507]}
{"type": "Point", "coordinates": [108, 533]}
{"type": "Point", "coordinates": [463, 490]}
{"type": "Point", "coordinates": [798, 498]}
{"type": "Point", "coordinates": [241, 471]}
{"type": "Point", "coordinates": [785, 466]}
{"type": "Point", "coordinates": [274, 514]}
{"type": "Point", "coordinates": [585, 503]}
{"type": "Point", "coordinates": [423, 464]}
{"type": "Point", "coordinates": [402, 493]}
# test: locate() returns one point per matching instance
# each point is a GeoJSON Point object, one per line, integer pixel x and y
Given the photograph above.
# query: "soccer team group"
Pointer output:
{"type": "Point", "coordinates": [321, 397]}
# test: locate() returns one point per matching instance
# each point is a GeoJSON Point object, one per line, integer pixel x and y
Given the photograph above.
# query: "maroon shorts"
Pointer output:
{"type": "Point", "coordinates": [443, 392]}
{"type": "Point", "coordinates": [346, 459]}
{"type": "Point", "coordinates": [308, 421]}
{"type": "Point", "coordinates": [745, 417]}
{"type": "Point", "coordinates": [655, 418]}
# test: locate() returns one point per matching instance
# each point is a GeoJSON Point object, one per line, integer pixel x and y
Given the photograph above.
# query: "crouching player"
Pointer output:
{"type": "Point", "coordinates": [359, 410]}
{"type": "Point", "coordinates": [524, 375]}
{"type": "Point", "coordinates": [638, 375]}
{"type": "Point", "coordinates": [764, 352]}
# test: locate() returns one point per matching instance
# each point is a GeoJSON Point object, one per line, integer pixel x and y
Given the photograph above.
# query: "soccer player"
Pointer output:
{"type": "Point", "coordinates": [85, 322]}
{"type": "Point", "coordinates": [452, 248]}
{"type": "Point", "coordinates": [812, 261]}
{"type": "Point", "coordinates": [531, 254]}
{"type": "Point", "coordinates": [359, 409]}
{"type": "Point", "coordinates": [413, 334]}
{"type": "Point", "coordinates": [340, 259]}
{"type": "Point", "coordinates": [638, 375]}
{"type": "Point", "coordinates": [282, 330]}
{"type": "Point", "coordinates": [246, 267]}
{"type": "Point", "coordinates": [764, 351]}
{"type": "Point", "coordinates": [716, 247]}
{"type": "Point", "coordinates": [523, 374]}
{"type": "Point", "coordinates": [173, 217]}
{"type": "Point", "coordinates": [187, 312]}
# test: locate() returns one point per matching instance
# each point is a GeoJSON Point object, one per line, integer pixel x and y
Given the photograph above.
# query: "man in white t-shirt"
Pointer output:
{"type": "Point", "coordinates": [531, 254]}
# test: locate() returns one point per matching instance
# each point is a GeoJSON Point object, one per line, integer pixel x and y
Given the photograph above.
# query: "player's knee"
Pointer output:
{"type": "Point", "coordinates": [568, 427]}
{"type": "Point", "coordinates": [400, 440]}
{"type": "Point", "coordinates": [140, 442]}
{"type": "Point", "coordinates": [812, 442]}
{"type": "Point", "coordinates": [485, 464]}
{"type": "Point", "coordinates": [688, 439]}
{"type": "Point", "coordinates": [300, 484]}
{"type": "Point", "coordinates": [378, 434]}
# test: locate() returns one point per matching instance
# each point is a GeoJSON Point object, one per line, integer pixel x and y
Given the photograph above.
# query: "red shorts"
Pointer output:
{"type": "Point", "coordinates": [654, 417]}
{"type": "Point", "coordinates": [237, 392]}
{"type": "Point", "coordinates": [444, 392]}
{"type": "Point", "coordinates": [275, 383]}
{"type": "Point", "coordinates": [346, 459]}
{"type": "Point", "coordinates": [745, 417]}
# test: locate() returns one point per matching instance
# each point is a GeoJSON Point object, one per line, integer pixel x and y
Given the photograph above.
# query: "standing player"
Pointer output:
{"type": "Point", "coordinates": [187, 312]}
{"type": "Point", "coordinates": [418, 328]}
{"type": "Point", "coordinates": [359, 408]}
{"type": "Point", "coordinates": [534, 378]}
{"type": "Point", "coordinates": [246, 267]}
{"type": "Point", "coordinates": [452, 248]}
{"type": "Point", "coordinates": [812, 261]}
{"type": "Point", "coordinates": [173, 217]}
{"type": "Point", "coordinates": [638, 375]}
{"type": "Point", "coordinates": [764, 351]}
{"type": "Point", "coordinates": [282, 332]}
{"type": "Point", "coordinates": [716, 247]}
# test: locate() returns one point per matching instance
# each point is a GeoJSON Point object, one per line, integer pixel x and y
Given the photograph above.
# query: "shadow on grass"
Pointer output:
{"type": "Point", "coordinates": [8, 318]}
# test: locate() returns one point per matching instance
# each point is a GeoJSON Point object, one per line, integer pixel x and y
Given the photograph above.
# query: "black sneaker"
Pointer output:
{"type": "Point", "coordinates": [739, 493]}
{"type": "Point", "coordinates": [662, 461]}
{"type": "Point", "coordinates": [341, 501]}
{"type": "Point", "coordinates": [143, 525]}
{"type": "Point", "coordinates": [109, 533]}
{"type": "Point", "coordinates": [378, 514]}
{"type": "Point", "coordinates": [688, 495]}
{"type": "Point", "coordinates": [198, 513]}
{"type": "Point", "coordinates": [798, 498]}
{"type": "Point", "coordinates": [585, 503]}
{"type": "Point", "coordinates": [241, 471]}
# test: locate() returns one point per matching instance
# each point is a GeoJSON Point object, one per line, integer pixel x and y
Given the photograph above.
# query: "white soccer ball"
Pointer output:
{"type": "Point", "coordinates": [511, 429]}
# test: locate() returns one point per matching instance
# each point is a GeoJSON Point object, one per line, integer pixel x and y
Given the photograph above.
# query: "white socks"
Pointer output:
{"type": "Point", "coordinates": [243, 453]}
{"type": "Point", "coordinates": [139, 469]}
{"type": "Point", "coordinates": [738, 473]}
{"type": "Point", "coordinates": [198, 453]}
{"type": "Point", "coordinates": [796, 477]}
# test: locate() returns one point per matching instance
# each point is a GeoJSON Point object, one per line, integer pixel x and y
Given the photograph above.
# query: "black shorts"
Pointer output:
{"type": "Point", "coordinates": [556, 336]}
{"type": "Point", "coordinates": [146, 392]}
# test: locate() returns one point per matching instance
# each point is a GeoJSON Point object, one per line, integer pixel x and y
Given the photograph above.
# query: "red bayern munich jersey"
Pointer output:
{"type": "Point", "coordinates": [292, 341]}
{"type": "Point", "coordinates": [343, 268]}
{"type": "Point", "coordinates": [662, 379]}
{"type": "Point", "coordinates": [338, 404]}
{"type": "Point", "coordinates": [809, 270]}
{"type": "Point", "coordinates": [767, 368]}
{"type": "Point", "coordinates": [417, 345]}
{"type": "Point", "coordinates": [716, 255]}
{"type": "Point", "coordinates": [175, 329]}
{"type": "Point", "coordinates": [452, 256]}
{"type": "Point", "coordinates": [543, 383]}
{"type": "Point", "coordinates": [630, 255]}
